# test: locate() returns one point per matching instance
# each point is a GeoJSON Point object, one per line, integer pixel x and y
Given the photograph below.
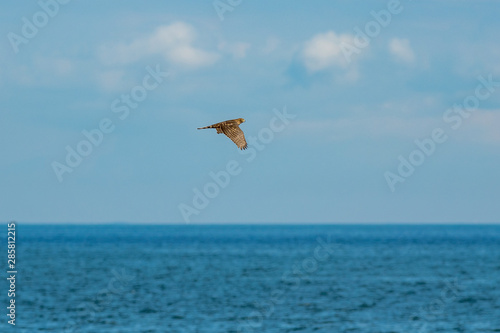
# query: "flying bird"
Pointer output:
{"type": "Point", "coordinates": [232, 130]}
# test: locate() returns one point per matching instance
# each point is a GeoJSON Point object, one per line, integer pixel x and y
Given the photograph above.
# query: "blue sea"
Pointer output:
{"type": "Point", "coordinates": [254, 278]}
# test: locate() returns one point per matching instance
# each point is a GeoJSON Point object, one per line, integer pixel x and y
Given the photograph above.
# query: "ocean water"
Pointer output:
{"type": "Point", "coordinates": [310, 278]}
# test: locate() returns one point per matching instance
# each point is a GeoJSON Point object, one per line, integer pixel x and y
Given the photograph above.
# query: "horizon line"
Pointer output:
{"type": "Point", "coordinates": [248, 223]}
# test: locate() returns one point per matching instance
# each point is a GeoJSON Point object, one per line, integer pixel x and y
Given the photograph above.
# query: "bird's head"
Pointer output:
{"type": "Point", "coordinates": [241, 120]}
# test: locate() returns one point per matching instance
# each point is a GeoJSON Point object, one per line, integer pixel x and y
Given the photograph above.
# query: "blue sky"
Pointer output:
{"type": "Point", "coordinates": [360, 82]}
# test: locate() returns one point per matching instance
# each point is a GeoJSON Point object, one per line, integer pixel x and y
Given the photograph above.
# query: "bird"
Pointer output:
{"type": "Point", "coordinates": [232, 130]}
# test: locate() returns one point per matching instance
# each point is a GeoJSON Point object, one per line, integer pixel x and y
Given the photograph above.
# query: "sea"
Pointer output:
{"type": "Point", "coordinates": [253, 278]}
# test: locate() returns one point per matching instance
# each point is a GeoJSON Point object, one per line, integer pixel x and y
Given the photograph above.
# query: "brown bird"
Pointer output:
{"type": "Point", "coordinates": [232, 130]}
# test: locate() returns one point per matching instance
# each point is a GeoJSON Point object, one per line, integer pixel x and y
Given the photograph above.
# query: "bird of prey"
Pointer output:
{"type": "Point", "coordinates": [232, 130]}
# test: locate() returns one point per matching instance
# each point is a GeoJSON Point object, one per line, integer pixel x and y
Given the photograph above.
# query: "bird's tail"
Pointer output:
{"type": "Point", "coordinates": [211, 126]}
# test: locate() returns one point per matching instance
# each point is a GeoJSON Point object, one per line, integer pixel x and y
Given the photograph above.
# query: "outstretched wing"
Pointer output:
{"type": "Point", "coordinates": [234, 132]}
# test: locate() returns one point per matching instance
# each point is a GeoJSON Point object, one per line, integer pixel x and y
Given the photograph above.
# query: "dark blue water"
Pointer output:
{"type": "Point", "coordinates": [255, 279]}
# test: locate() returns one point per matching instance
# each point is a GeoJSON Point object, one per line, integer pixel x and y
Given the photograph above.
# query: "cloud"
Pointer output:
{"type": "Point", "coordinates": [174, 42]}
{"type": "Point", "coordinates": [43, 71]}
{"type": "Point", "coordinates": [56, 66]}
{"type": "Point", "coordinates": [482, 127]}
{"type": "Point", "coordinates": [111, 80]}
{"type": "Point", "coordinates": [401, 50]}
{"type": "Point", "coordinates": [63, 66]}
{"type": "Point", "coordinates": [367, 127]}
{"type": "Point", "coordinates": [237, 50]}
{"type": "Point", "coordinates": [326, 50]}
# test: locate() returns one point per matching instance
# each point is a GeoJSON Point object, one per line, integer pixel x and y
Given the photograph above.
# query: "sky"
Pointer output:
{"type": "Point", "coordinates": [356, 111]}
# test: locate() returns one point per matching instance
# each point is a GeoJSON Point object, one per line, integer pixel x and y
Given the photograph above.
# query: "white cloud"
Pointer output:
{"type": "Point", "coordinates": [237, 50]}
{"type": "Point", "coordinates": [401, 50]}
{"type": "Point", "coordinates": [111, 80]}
{"type": "Point", "coordinates": [327, 50]}
{"type": "Point", "coordinates": [475, 58]}
{"type": "Point", "coordinates": [43, 71]}
{"type": "Point", "coordinates": [55, 65]}
{"type": "Point", "coordinates": [482, 126]}
{"type": "Point", "coordinates": [368, 127]}
{"type": "Point", "coordinates": [63, 66]}
{"type": "Point", "coordinates": [174, 42]}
